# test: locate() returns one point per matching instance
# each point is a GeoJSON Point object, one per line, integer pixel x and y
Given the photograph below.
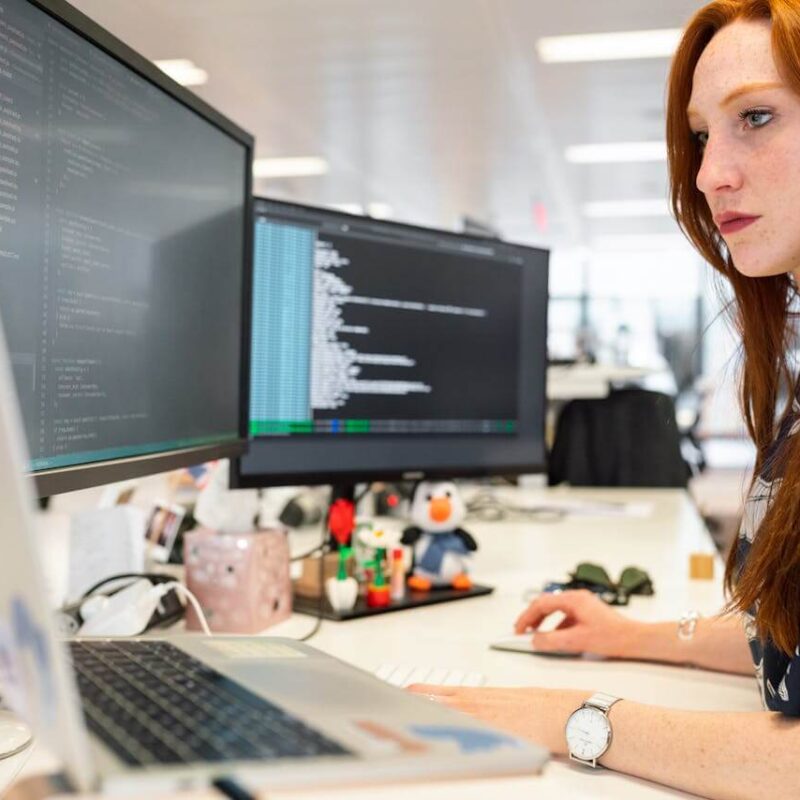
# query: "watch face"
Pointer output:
{"type": "Point", "coordinates": [588, 733]}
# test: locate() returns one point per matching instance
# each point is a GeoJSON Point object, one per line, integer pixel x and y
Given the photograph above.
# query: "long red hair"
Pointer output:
{"type": "Point", "coordinates": [762, 312]}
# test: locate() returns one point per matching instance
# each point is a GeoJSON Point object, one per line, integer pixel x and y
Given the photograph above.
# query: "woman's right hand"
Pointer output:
{"type": "Point", "coordinates": [589, 625]}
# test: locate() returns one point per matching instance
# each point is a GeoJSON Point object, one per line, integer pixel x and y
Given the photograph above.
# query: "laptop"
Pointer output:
{"type": "Point", "coordinates": [153, 714]}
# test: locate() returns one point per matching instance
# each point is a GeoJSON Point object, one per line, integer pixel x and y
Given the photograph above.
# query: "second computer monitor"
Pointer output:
{"type": "Point", "coordinates": [381, 350]}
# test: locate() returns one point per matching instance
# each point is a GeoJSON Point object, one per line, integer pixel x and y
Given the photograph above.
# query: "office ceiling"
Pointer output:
{"type": "Point", "coordinates": [437, 107]}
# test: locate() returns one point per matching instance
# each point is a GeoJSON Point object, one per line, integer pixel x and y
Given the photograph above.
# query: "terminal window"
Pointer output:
{"type": "Point", "coordinates": [355, 332]}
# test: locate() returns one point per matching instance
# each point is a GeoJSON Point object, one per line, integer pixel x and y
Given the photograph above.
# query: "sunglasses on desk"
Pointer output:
{"type": "Point", "coordinates": [593, 577]}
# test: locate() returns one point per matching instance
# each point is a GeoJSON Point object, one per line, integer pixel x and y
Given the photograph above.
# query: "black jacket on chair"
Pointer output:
{"type": "Point", "coordinates": [629, 438]}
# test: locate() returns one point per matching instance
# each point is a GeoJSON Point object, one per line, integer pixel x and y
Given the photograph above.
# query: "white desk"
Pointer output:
{"type": "Point", "coordinates": [515, 556]}
{"type": "Point", "coordinates": [573, 381]}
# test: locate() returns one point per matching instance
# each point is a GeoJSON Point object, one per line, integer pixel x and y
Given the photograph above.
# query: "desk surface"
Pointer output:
{"type": "Point", "coordinates": [517, 555]}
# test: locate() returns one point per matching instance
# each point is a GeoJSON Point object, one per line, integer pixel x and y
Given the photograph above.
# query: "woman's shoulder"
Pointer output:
{"type": "Point", "coordinates": [772, 465]}
{"type": "Point", "coordinates": [766, 482]}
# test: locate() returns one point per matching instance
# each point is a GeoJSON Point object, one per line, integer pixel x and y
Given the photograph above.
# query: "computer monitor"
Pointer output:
{"type": "Point", "coordinates": [389, 351]}
{"type": "Point", "coordinates": [125, 249]}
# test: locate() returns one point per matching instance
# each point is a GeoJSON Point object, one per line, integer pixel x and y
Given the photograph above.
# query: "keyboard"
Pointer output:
{"type": "Point", "coordinates": [152, 703]}
{"type": "Point", "coordinates": [403, 675]}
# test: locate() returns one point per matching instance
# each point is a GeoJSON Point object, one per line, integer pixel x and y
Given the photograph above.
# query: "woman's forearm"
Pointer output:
{"type": "Point", "coordinates": [718, 644]}
{"type": "Point", "coordinates": [718, 755]}
{"type": "Point", "coordinates": [724, 756]}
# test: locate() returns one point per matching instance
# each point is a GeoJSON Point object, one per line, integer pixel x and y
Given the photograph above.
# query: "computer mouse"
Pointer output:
{"type": "Point", "coordinates": [524, 643]}
{"type": "Point", "coordinates": [519, 643]}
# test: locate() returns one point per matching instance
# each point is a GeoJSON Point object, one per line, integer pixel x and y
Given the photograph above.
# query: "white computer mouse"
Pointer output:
{"type": "Point", "coordinates": [524, 642]}
{"type": "Point", "coordinates": [518, 643]}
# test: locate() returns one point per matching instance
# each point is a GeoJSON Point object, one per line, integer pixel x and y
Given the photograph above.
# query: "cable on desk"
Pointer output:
{"type": "Point", "coordinates": [488, 507]}
{"type": "Point", "coordinates": [309, 553]}
{"type": "Point", "coordinates": [230, 788]}
{"type": "Point", "coordinates": [151, 576]}
{"type": "Point", "coordinates": [322, 549]}
{"type": "Point", "coordinates": [190, 597]}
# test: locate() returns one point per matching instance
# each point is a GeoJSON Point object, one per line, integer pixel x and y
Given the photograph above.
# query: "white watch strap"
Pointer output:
{"type": "Point", "coordinates": [602, 701]}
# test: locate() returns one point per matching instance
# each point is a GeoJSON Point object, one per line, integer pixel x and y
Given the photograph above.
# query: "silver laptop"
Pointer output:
{"type": "Point", "coordinates": [153, 714]}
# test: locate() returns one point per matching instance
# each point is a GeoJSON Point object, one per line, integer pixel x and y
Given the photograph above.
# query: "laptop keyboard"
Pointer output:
{"type": "Point", "coordinates": [151, 703]}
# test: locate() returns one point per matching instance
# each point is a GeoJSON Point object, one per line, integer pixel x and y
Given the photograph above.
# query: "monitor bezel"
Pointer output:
{"type": "Point", "coordinates": [240, 480]}
{"type": "Point", "coordinates": [94, 473]}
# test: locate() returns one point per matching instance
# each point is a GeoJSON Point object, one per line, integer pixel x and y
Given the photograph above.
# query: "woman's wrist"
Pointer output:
{"type": "Point", "coordinates": [658, 641]}
{"type": "Point", "coordinates": [561, 703]}
{"type": "Point", "coordinates": [636, 640]}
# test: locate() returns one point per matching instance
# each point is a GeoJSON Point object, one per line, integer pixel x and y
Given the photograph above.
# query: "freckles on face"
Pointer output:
{"type": "Point", "coordinates": [771, 246]}
{"type": "Point", "coordinates": [749, 122]}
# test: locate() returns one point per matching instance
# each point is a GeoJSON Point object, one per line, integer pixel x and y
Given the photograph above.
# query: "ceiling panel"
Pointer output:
{"type": "Point", "coordinates": [437, 108]}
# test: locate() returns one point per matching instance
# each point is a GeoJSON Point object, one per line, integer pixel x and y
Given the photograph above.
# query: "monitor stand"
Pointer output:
{"type": "Point", "coordinates": [312, 605]}
{"type": "Point", "coordinates": [14, 735]}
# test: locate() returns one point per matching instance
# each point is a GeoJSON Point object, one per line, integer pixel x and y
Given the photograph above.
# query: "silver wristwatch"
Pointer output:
{"type": "Point", "coordinates": [588, 729]}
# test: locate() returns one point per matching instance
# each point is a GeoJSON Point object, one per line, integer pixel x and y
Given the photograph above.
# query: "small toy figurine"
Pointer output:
{"type": "Point", "coordinates": [342, 591]}
{"type": "Point", "coordinates": [441, 548]}
{"type": "Point", "coordinates": [379, 540]}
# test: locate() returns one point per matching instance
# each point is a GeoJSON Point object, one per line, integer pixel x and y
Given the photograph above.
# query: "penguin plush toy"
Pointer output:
{"type": "Point", "coordinates": [441, 548]}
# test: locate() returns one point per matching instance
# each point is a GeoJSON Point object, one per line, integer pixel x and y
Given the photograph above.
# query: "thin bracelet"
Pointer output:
{"type": "Point", "coordinates": [687, 625]}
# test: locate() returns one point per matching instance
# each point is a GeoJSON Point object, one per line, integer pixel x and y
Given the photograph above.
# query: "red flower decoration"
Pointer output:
{"type": "Point", "coordinates": [342, 520]}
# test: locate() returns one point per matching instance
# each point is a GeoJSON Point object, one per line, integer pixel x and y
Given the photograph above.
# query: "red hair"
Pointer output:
{"type": "Point", "coordinates": [761, 312]}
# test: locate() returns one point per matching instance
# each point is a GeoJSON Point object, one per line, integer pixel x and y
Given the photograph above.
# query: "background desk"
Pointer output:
{"type": "Point", "coordinates": [569, 382]}
{"type": "Point", "coordinates": [575, 381]}
{"type": "Point", "coordinates": [516, 556]}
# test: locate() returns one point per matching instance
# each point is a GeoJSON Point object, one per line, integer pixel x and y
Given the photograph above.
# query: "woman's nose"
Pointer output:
{"type": "Point", "coordinates": [719, 170]}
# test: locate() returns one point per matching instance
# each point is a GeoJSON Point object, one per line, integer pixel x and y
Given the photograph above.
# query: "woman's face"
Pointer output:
{"type": "Point", "coordinates": [747, 122]}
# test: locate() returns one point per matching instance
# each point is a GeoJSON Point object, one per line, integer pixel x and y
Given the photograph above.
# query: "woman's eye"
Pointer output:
{"type": "Point", "coordinates": [701, 137]}
{"type": "Point", "coordinates": [756, 118]}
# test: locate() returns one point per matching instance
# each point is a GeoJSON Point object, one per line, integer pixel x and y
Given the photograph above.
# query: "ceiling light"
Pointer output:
{"type": "Point", "coordinates": [380, 210]}
{"type": "Point", "coordinates": [608, 209]}
{"type": "Point", "coordinates": [608, 46]}
{"type": "Point", "coordinates": [374, 210]}
{"type": "Point", "coordinates": [348, 208]}
{"type": "Point", "coordinates": [639, 242]}
{"type": "Point", "coordinates": [289, 167]}
{"type": "Point", "coordinates": [616, 152]}
{"type": "Point", "coordinates": [183, 71]}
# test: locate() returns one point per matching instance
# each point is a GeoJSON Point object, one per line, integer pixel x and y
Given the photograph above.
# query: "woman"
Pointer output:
{"type": "Point", "coordinates": [733, 135]}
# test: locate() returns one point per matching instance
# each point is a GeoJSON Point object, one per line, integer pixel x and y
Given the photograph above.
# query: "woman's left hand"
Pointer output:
{"type": "Point", "coordinates": [536, 714]}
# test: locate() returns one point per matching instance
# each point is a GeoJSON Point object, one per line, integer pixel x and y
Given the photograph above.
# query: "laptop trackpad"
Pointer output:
{"type": "Point", "coordinates": [294, 678]}
{"type": "Point", "coordinates": [320, 686]}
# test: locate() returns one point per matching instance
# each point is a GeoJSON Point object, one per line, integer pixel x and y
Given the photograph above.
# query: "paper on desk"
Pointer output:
{"type": "Point", "coordinates": [595, 508]}
{"type": "Point", "coordinates": [222, 509]}
{"type": "Point", "coordinates": [53, 534]}
{"type": "Point", "coordinates": [104, 542]}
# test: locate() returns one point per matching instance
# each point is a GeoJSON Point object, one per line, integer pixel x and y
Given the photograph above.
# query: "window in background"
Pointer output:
{"type": "Point", "coordinates": [659, 309]}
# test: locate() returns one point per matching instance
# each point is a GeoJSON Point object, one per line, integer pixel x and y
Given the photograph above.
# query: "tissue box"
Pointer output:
{"type": "Point", "coordinates": [240, 580]}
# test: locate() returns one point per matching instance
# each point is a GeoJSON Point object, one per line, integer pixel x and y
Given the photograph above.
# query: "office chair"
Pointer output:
{"type": "Point", "coordinates": [629, 438]}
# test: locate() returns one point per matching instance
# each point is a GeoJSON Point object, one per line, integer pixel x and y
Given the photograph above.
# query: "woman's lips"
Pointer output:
{"type": "Point", "coordinates": [736, 224]}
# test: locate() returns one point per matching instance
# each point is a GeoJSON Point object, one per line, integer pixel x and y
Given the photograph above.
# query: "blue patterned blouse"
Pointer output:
{"type": "Point", "coordinates": [777, 673]}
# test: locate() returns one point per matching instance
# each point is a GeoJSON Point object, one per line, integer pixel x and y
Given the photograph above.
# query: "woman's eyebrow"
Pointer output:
{"type": "Point", "coordinates": [747, 88]}
{"type": "Point", "coordinates": [739, 91]}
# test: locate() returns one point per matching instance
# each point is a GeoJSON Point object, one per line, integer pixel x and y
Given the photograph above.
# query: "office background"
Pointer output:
{"type": "Point", "coordinates": [451, 114]}
{"type": "Point", "coordinates": [474, 142]}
